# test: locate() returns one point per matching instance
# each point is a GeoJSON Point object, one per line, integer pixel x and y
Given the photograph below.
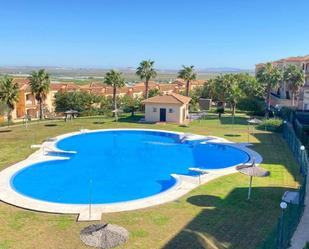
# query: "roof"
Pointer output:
{"type": "Point", "coordinates": [292, 59]}
{"type": "Point", "coordinates": [150, 83]}
{"type": "Point", "coordinates": [68, 86]}
{"type": "Point", "coordinates": [172, 98]}
{"type": "Point", "coordinates": [182, 82]}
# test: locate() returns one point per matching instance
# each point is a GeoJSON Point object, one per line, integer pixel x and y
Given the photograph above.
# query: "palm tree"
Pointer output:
{"type": "Point", "coordinates": [114, 79]}
{"type": "Point", "coordinates": [269, 76]}
{"type": "Point", "coordinates": [146, 72]}
{"type": "Point", "coordinates": [234, 92]}
{"type": "Point", "coordinates": [9, 92]}
{"type": "Point", "coordinates": [40, 85]}
{"type": "Point", "coordinates": [187, 74]}
{"type": "Point", "coordinates": [295, 78]}
{"type": "Point", "coordinates": [208, 90]}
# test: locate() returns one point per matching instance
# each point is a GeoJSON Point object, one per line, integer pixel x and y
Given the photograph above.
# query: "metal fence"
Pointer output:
{"type": "Point", "coordinates": [292, 214]}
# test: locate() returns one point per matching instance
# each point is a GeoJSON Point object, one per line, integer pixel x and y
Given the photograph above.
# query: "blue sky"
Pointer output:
{"type": "Point", "coordinates": [121, 33]}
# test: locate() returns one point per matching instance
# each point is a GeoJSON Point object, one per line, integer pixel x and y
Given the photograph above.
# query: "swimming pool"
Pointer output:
{"type": "Point", "coordinates": [120, 165]}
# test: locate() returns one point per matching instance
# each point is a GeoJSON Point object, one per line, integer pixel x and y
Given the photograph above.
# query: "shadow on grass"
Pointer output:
{"type": "Point", "coordinates": [99, 122]}
{"type": "Point", "coordinates": [232, 222]}
{"type": "Point", "coordinates": [51, 125]}
{"type": "Point", "coordinates": [5, 131]}
{"type": "Point", "coordinates": [232, 135]}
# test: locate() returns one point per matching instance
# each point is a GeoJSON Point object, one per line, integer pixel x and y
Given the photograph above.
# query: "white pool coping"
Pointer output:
{"type": "Point", "coordinates": [86, 212]}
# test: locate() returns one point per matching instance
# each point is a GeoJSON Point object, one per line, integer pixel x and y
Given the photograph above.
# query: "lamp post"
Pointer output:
{"type": "Point", "coordinates": [283, 206]}
{"type": "Point", "coordinates": [284, 125]}
{"type": "Point", "coordinates": [302, 153]}
{"type": "Point", "coordinates": [248, 132]}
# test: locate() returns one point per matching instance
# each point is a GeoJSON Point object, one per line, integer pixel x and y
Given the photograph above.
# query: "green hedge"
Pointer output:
{"type": "Point", "coordinates": [255, 106]}
{"type": "Point", "coordinates": [272, 124]}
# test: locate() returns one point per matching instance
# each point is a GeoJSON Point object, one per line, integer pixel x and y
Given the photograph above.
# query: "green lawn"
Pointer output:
{"type": "Point", "coordinates": [215, 215]}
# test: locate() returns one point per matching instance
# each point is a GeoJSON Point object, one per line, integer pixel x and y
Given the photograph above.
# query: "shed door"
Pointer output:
{"type": "Point", "coordinates": [162, 114]}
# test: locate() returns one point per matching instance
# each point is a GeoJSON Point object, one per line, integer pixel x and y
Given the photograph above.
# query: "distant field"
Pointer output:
{"type": "Point", "coordinates": [84, 76]}
{"type": "Point", "coordinates": [130, 78]}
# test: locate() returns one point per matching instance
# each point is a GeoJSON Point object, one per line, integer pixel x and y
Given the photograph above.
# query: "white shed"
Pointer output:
{"type": "Point", "coordinates": [167, 108]}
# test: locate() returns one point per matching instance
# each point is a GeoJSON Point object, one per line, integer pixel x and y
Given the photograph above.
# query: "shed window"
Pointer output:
{"type": "Point", "coordinates": [154, 109]}
{"type": "Point", "coordinates": [170, 110]}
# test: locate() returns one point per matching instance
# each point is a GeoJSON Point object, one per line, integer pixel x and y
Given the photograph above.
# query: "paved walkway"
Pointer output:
{"type": "Point", "coordinates": [301, 235]}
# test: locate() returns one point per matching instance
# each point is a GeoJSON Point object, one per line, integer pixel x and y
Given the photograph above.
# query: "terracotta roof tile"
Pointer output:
{"type": "Point", "coordinates": [172, 98]}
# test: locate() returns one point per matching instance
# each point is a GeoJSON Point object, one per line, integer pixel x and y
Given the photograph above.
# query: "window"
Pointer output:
{"type": "Point", "coordinates": [154, 109]}
{"type": "Point", "coordinates": [170, 110]}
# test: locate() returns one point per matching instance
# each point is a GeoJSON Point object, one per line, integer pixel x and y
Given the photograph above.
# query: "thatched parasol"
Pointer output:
{"type": "Point", "coordinates": [104, 235]}
{"type": "Point", "coordinates": [252, 171]}
{"type": "Point", "coordinates": [71, 112]}
{"type": "Point", "coordinates": [254, 121]}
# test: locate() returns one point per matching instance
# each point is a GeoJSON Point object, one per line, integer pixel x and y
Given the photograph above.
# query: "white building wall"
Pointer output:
{"type": "Point", "coordinates": [174, 112]}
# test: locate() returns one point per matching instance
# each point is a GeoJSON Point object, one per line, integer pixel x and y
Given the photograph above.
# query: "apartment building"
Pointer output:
{"type": "Point", "coordinates": [282, 95]}
{"type": "Point", "coordinates": [28, 105]}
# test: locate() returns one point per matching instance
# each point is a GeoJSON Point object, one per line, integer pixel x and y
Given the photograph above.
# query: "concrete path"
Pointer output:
{"type": "Point", "coordinates": [301, 235]}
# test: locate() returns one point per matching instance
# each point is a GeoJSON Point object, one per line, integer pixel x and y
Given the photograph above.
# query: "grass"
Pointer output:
{"type": "Point", "coordinates": [213, 216]}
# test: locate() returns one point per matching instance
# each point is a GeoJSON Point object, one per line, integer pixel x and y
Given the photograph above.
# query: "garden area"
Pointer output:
{"type": "Point", "coordinates": [215, 215]}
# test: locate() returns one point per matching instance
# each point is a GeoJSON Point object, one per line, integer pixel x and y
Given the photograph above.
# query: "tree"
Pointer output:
{"type": "Point", "coordinates": [234, 92]}
{"type": "Point", "coordinates": [115, 80]}
{"type": "Point", "coordinates": [188, 74]}
{"type": "Point", "coordinates": [9, 94]}
{"type": "Point", "coordinates": [130, 104]}
{"type": "Point", "coordinates": [40, 85]}
{"type": "Point", "coordinates": [208, 90]}
{"type": "Point", "coordinates": [78, 101]}
{"type": "Point", "coordinates": [146, 72]}
{"type": "Point", "coordinates": [253, 93]}
{"type": "Point", "coordinates": [250, 87]}
{"type": "Point", "coordinates": [295, 78]}
{"type": "Point", "coordinates": [269, 77]}
{"type": "Point", "coordinates": [153, 92]}
{"type": "Point", "coordinates": [221, 86]}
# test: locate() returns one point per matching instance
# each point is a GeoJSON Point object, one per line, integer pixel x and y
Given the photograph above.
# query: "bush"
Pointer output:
{"type": "Point", "coordinates": [255, 106]}
{"type": "Point", "coordinates": [272, 124]}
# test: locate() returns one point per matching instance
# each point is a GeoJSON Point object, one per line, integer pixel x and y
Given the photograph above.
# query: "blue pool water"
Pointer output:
{"type": "Point", "coordinates": [123, 165]}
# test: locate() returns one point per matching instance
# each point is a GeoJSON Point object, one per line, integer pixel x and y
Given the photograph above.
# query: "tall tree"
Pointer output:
{"type": "Point", "coordinates": [269, 77]}
{"type": "Point", "coordinates": [250, 87]}
{"type": "Point", "coordinates": [295, 78]}
{"type": "Point", "coordinates": [146, 72]}
{"type": "Point", "coordinates": [208, 90]}
{"type": "Point", "coordinates": [115, 80]}
{"type": "Point", "coordinates": [222, 85]}
{"type": "Point", "coordinates": [40, 85]}
{"type": "Point", "coordinates": [9, 95]}
{"type": "Point", "coordinates": [188, 74]}
{"type": "Point", "coordinates": [234, 92]}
